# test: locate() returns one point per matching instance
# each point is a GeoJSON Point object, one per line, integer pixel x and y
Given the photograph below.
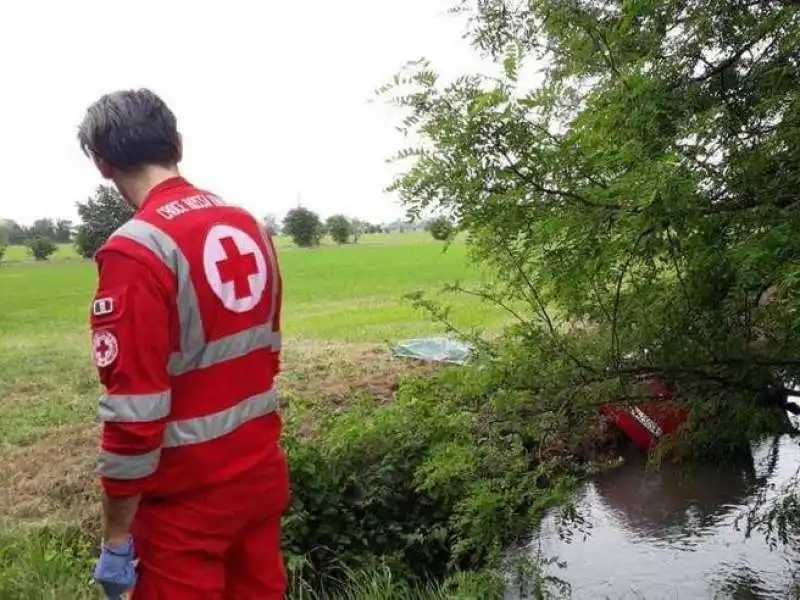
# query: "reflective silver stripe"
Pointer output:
{"type": "Point", "coordinates": [231, 347]}
{"type": "Point", "coordinates": [273, 264]}
{"type": "Point", "coordinates": [211, 427]}
{"type": "Point", "coordinates": [192, 335]}
{"type": "Point", "coordinates": [134, 408]}
{"type": "Point", "coordinates": [120, 466]}
{"type": "Point", "coordinates": [646, 422]}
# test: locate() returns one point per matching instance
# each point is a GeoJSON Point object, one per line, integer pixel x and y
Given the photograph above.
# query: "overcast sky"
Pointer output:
{"type": "Point", "coordinates": [272, 98]}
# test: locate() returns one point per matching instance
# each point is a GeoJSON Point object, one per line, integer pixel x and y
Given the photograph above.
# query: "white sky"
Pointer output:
{"type": "Point", "coordinates": [272, 98]}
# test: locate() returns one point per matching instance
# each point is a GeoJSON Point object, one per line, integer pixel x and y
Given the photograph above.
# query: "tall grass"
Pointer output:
{"type": "Point", "coordinates": [57, 564]}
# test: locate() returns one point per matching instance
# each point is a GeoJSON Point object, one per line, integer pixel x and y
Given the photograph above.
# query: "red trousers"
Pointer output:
{"type": "Point", "coordinates": [222, 543]}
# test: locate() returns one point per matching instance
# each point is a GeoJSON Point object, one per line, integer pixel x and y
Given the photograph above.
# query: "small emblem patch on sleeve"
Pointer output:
{"type": "Point", "coordinates": [103, 307]}
{"type": "Point", "coordinates": [106, 348]}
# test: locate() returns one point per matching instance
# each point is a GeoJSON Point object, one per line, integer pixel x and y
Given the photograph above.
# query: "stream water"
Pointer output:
{"type": "Point", "coordinates": [671, 533]}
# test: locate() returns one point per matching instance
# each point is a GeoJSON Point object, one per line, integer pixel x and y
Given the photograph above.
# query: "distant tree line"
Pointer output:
{"type": "Point", "coordinates": [12, 233]}
{"type": "Point", "coordinates": [100, 216]}
{"type": "Point", "coordinates": [105, 211]}
{"type": "Point", "coordinates": [41, 237]}
{"type": "Point", "coordinates": [307, 229]}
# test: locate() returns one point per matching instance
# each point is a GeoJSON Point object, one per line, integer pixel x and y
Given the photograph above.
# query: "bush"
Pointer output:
{"type": "Point", "coordinates": [42, 248]}
{"type": "Point", "coordinates": [303, 226]}
{"type": "Point", "coordinates": [2, 252]}
{"type": "Point", "coordinates": [441, 229]}
{"type": "Point", "coordinates": [340, 228]}
{"type": "Point", "coordinates": [407, 486]}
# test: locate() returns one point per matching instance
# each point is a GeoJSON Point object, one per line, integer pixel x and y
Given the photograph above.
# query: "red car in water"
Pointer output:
{"type": "Point", "coordinates": [646, 423]}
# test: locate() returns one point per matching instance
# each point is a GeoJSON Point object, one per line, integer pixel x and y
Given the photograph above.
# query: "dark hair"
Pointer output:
{"type": "Point", "coordinates": [130, 129]}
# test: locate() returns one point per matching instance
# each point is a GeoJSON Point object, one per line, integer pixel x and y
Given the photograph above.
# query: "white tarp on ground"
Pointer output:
{"type": "Point", "coordinates": [436, 349]}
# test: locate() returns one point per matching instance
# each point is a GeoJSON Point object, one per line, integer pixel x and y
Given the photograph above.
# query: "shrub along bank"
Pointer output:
{"type": "Point", "coordinates": [437, 483]}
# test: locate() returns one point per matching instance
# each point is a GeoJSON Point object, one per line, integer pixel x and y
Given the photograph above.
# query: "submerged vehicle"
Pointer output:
{"type": "Point", "coordinates": [646, 423]}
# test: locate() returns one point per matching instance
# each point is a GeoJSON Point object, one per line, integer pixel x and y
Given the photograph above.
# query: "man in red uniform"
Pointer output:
{"type": "Point", "coordinates": [186, 338]}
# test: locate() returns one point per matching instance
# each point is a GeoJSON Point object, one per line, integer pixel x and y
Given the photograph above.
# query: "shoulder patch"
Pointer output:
{"type": "Point", "coordinates": [108, 305]}
{"type": "Point", "coordinates": [102, 307]}
{"type": "Point", "coordinates": [105, 347]}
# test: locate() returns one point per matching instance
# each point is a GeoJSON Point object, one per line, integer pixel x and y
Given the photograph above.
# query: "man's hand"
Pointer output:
{"type": "Point", "coordinates": [116, 569]}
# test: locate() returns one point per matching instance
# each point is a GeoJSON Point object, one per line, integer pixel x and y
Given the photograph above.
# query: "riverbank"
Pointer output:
{"type": "Point", "coordinates": [417, 477]}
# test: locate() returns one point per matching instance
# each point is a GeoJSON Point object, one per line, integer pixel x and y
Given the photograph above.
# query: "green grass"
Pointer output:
{"type": "Point", "coordinates": [349, 294]}
{"type": "Point", "coordinates": [338, 303]}
{"type": "Point", "coordinates": [20, 254]}
{"type": "Point", "coordinates": [56, 564]}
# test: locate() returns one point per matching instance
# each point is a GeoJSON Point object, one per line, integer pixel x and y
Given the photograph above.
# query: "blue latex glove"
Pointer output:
{"type": "Point", "coordinates": [116, 569]}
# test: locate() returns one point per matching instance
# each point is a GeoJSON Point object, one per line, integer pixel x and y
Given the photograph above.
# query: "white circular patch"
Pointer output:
{"type": "Point", "coordinates": [105, 347]}
{"type": "Point", "coordinates": [235, 268]}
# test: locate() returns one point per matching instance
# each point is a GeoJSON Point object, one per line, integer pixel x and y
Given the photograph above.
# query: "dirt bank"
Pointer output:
{"type": "Point", "coordinates": [51, 479]}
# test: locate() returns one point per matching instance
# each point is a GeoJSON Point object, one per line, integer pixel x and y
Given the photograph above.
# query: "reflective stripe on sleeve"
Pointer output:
{"type": "Point", "coordinates": [211, 427]}
{"type": "Point", "coordinates": [123, 466]}
{"type": "Point", "coordinates": [229, 348]}
{"type": "Point", "coordinates": [273, 263]}
{"type": "Point", "coordinates": [192, 335]}
{"type": "Point", "coordinates": [134, 408]}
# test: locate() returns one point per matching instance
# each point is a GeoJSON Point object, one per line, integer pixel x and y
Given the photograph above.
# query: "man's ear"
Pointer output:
{"type": "Point", "coordinates": [179, 148]}
{"type": "Point", "coordinates": [102, 166]}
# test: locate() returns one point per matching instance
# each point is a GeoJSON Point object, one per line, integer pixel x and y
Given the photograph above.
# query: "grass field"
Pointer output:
{"type": "Point", "coordinates": [342, 305]}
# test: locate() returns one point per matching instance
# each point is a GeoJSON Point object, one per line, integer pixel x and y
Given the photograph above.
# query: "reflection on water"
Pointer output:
{"type": "Point", "coordinates": [671, 533]}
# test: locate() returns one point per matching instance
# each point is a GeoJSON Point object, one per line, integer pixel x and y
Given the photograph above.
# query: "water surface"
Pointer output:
{"type": "Point", "coordinates": [671, 533]}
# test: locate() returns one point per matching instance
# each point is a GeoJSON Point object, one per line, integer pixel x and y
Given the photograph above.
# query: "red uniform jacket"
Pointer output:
{"type": "Point", "coordinates": [186, 338]}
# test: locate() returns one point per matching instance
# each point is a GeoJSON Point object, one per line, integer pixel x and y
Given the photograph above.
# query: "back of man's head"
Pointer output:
{"type": "Point", "coordinates": [131, 129]}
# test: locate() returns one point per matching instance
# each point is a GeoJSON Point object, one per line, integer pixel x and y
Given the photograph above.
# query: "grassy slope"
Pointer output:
{"type": "Point", "coordinates": [341, 304]}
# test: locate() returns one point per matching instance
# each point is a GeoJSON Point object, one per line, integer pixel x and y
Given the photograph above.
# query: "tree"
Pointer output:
{"type": "Point", "coordinates": [645, 191]}
{"type": "Point", "coordinates": [360, 227]}
{"type": "Point", "coordinates": [100, 215]}
{"type": "Point", "coordinates": [271, 224]}
{"type": "Point", "coordinates": [16, 234]}
{"type": "Point", "coordinates": [303, 226]}
{"type": "Point", "coordinates": [340, 228]}
{"type": "Point", "coordinates": [372, 228]}
{"type": "Point", "coordinates": [4, 235]}
{"type": "Point", "coordinates": [42, 228]}
{"type": "Point", "coordinates": [42, 248]}
{"type": "Point", "coordinates": [440, 228]}
{"type": "Point", "coordinates": [63, 231]}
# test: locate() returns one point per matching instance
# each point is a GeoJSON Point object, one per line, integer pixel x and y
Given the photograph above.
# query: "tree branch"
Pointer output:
{"type": "Point", "coordinates": [542, 310]}
{"type": "Point", "coordinates": [565, 194]}
{"type": "Point", "coordinates": [615, 349]}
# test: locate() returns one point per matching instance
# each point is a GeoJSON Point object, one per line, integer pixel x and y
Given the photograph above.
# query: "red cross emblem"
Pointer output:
{"type": "Point", "coordinates": [236, 268]}
{"type": "Point", "coordinates": [105, 348]}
